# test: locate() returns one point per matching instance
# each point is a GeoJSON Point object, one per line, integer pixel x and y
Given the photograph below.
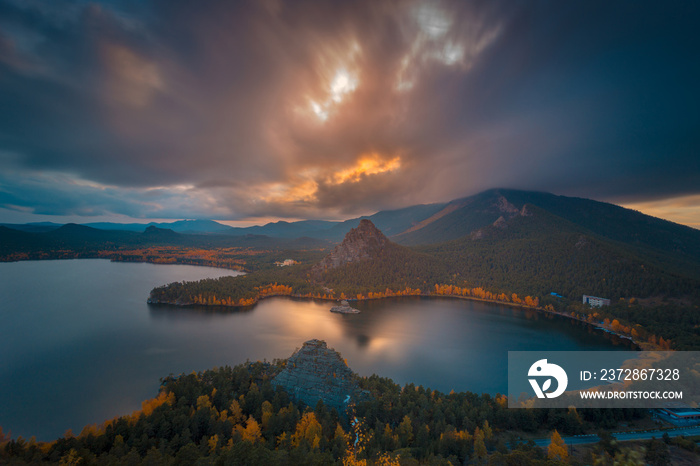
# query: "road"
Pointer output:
{"type": "Point", "coordinates": [625, 436]}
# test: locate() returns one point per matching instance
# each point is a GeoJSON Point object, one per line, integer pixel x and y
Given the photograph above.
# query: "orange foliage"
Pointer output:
{"type": "Point", "coordinates": [148, 406]}
{"type": "Point", "coordinates": [216, 257]}
{"type": "Point", "coordinates": [478, 292]}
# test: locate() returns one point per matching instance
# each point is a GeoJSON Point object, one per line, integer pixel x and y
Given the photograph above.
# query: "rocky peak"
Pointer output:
{"type": "Point", "coordinates": [504, 206]}
{"type": "Point", "coordinates": [363, 242]}
{"type": "Point", "coordinates": [316, 372]}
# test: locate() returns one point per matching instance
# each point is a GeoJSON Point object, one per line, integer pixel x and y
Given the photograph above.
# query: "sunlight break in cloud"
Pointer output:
{"type": "Point", "coordinates": [342, 84]}
{"type": "Point", "coordinates": [371, 164]}
{"type": "Point", "coordinates": [304, 189]}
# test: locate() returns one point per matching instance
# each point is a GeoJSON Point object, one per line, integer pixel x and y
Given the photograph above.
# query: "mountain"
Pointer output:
{"type": "Point", "coordinates": [391, 222]}
{"type": "Point", "coordinates": [367, 261]}
{"type": "Point", "coordinates": [282, 229]}
{"type": "Point", "coordinates": [524, 242]}
{"type": "Point", "coordinates": [437, 223]}
{"type": "Point", "coordinates": [180, 226]}
{"type": "Point", "coordinates": [195, 226]}
{"type": "Point", "coordinates": [537, 252]}
{"type": "Point", "coordinates": [461, 217]}
{"type": "Point", "coordinates": [361, 243]}
{"type": "Point", "coordinates": [76, 236]}
{"type": "Point", "coordinates": [35, 227]}
{"type": "Point", "coordinates": [15, 241]}
{"type": "Point", "coordinates": [158, 235]}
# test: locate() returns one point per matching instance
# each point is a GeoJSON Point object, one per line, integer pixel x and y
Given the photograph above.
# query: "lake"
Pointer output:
{"type": "Point", "coordinates": [79, 344]}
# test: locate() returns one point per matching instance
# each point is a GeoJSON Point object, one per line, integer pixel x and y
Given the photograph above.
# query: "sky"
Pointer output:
{"type": "Point", "coordinates": [248, 111]}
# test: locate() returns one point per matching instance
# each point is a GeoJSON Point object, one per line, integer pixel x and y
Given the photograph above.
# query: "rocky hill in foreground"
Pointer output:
{"type": "Point", "coordinates": [253, 414]}
{"type": "Point", "coordinates": [316, 372]}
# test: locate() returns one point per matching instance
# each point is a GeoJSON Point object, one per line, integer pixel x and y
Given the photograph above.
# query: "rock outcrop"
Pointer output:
{"type": "Point", "coordinates": [316, 372]}
{"type": "Point", "coordinates": [345, 308]}
{"type": "Point", "coordinates": [363, 242]}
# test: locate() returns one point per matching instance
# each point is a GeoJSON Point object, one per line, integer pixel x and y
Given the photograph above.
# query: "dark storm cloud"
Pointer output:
{"type": "Point", "coordinates": [326, 109]}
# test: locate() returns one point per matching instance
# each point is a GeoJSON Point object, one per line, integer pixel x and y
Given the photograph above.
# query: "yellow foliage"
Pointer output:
{"type": "Point", "coordinates": [213, 443]}
{"type": "Point", "coordinates": [385, 459]}
{"type": "Point", "coordinates": [251, 432]}
{"type": "Point", "coordinates": [203, 402]}
{"type": "Point", "coordinates": [557, 448]}
{"type": "Point", "coordinates": [309, 429]}
{"type": "Point", "coordinates": [71, 458]}
{"type": "Point", "coordinates": [236, 413]}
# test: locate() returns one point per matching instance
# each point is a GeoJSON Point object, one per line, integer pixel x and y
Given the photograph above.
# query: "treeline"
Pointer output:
{"type": "Point", "coordinates": [243, 290]}
{"type": "Point", "coordinates": [236, 416]}
{"type": "Point", "coordinates": [667, 326]}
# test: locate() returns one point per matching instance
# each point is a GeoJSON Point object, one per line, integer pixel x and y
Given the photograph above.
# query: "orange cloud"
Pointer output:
{"type": "Point", "coordinates": [370, 164]}
{"type": "Point", "coordinates": [304, 187]}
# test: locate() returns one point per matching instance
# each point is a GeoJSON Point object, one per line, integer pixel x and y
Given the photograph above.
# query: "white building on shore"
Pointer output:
{"type": "Point", "coordinates": [594, 301]}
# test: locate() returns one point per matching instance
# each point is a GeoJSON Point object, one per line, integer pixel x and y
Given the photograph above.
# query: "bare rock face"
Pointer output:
{"type": "Point", "coordinates": [506, 207]}
{"type": "Point", "coordinates": [316, 372]}
{"type": "Point", "coordinates": [363, 242]}
{"type": "Point", "coordinates": [345, 308]}
{"type": "Point", "coordinates": [500, 223]}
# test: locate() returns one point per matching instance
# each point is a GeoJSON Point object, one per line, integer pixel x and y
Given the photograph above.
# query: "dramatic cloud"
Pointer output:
{"type": "Point", "coordinates": [324, 109]}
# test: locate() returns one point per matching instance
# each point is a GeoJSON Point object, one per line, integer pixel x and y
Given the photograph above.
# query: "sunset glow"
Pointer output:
{"type": "Point", "coordinates": [371, 164]}
{"type": "Point", "coordinates": [274, 109]}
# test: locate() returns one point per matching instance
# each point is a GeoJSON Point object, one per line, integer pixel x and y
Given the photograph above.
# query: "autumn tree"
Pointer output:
{"type": "Point", "coordinates": [236, 413]}
{"type": "Point", "coordinates": [557, 448]}
{"type": "Point", "coordinates": [251, 432]}
{"type": "Point", "coordinates": [309, 430]}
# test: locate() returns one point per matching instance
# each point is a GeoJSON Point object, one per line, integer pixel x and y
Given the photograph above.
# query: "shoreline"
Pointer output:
{"type": "Point", "coordinates": [598, 325]}
{"type": "Point", "coordinates": [103, 256]}
{"type": "Point", "coordinates": [594, 325]}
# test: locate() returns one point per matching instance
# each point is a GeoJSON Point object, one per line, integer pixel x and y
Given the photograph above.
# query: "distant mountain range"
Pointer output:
{"type": "Point", "coordinates": [494, 215]}
{"type": "Point", "coordinates": [435, 223]}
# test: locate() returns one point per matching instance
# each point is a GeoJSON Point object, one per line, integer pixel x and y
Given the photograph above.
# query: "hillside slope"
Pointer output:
{"type": "Point", "coordinates": [648, 234]}
{"type": "Point", "coordinates": [540, 253]}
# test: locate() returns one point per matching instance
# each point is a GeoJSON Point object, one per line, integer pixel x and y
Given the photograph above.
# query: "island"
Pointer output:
{"type": "Point", "coordinates": [345, 308]}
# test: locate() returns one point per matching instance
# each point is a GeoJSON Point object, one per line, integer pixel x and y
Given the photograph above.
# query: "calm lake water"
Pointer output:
{"type": "Point", "coordinates": [79, 344]}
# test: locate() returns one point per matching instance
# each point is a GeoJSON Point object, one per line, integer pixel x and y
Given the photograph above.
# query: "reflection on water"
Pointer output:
{"type": "Point", "coordinates": [81, 345]}
{"type": "Point", "coordinates": [439, 342]}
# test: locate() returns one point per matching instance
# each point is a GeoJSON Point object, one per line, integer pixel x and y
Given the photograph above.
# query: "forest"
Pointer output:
{"type": "Point", "coordinates": [234, 415]}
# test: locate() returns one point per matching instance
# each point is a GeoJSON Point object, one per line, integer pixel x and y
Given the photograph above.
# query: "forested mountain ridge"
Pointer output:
{"type": "Point", "coordinates": [463, 216]}
{"type": "Point", "coordinates": [539, 252]}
